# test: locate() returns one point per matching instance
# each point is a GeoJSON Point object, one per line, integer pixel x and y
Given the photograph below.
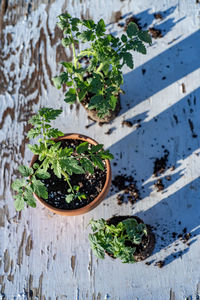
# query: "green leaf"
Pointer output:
{"type": "Point", "coordinates": [66, 41]}
{"type": "Point", "coordinates": [71, 165]}
{"type": "Point", "coordinates": [124, 38]}
{"type": "Point", "coordinates": [87, 165]}
{"type": "Point", "coordinates": [29, 198]}
{"type": "Point", "coordinates": [25, 171]}
{"type": "Point", "coordinates": [34, 132]}
{"type": "Point", "coordinates": [105, 154]}
{"type": "Point", "coordinates": [42, 174]}
{"type": "Point", "coordinates": [128, 59]}
{"type": "Point", "coordinates": [56, 168]}
{"type": "Point", "coordinates": [88, 23]}
{"type": "Point", "coordinates": [40, 189]}
{"type": "Point", "coordinates": [95, 101]}
{"type": "Point", "coordinates": [36, 166]}
{"type": "Point", "coordinates": [59, 80]}
{"type": "Point", "coordinates": [54, 133]}
{"type": "Point", "coordinates": [97, 162]}
{"type": "Point", "coordinates": [69, 198]}
{"type": "Point", "coordinates": [83, 147]}
{"type": "Point", "coordinates": [67, 65]}
{"type": "Point", "coordinates": [87, 36]}
{"type": "Point", "coordinates": [97, 225]}
{"type": "Point", "coordinates": [140, 47]}
{"type": "Point", "coordinates": [101, 28]}
{"type": "Point", "coordinates": [144, 36]}
{"type": "Point", "coordinates": [19, 203]}
{"type": "Point", "coordinates": [18, 184]}
{"type": "Point", "coordinates": [132, 29]}
{"type": "Point", "coordinates": [96, 148]}
{"type": "Point", "coordinates": [70, 96]}
{"type": "Point", "coordinates": [113, 102]}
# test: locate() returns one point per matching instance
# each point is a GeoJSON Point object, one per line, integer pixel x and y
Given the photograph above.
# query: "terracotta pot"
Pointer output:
{"type": "Point", "coordinates": [147, 251]}
{"type": "Point", "coordinates": [97, 200]}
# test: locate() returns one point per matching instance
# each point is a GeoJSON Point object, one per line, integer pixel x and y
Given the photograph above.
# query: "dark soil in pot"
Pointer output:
{"type": "Point", "coordinates": [57, 188]}
{"type": "Point", "coordinates": [143, 250]}
{"type": "Point", "coordinates": [92, 114]}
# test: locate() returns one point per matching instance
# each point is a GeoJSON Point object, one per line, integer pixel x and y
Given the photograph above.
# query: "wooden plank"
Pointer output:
{"type": "Point", "coordinates": [44, 256]}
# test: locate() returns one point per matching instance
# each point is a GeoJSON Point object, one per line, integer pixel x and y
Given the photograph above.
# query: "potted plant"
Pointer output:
{"type": "Point", "coordinates": [95, 75]}
{"type": "Point", "coordinates": [70, 174]}
{"type": "Point", "coordinates": [123, 237]}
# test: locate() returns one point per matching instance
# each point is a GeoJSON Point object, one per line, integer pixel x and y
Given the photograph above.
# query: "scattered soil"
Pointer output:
{"type": "Point", "coordinates": [160, 263]}
{"type": "Point", "coordinates": [57, 188]}
{"type": "Point", "coordinates": [160, 163]}
{"type": "Point", "coordinates": [127, 123]}
{"type": "Point", "coordinates": [156, 33]}
{"type": "Point", "coordinates": [159, 185]}
{"type": "Point", "coordinates": [143, 250]}
{"type": "Point", "coordinates": [158, 16]}
{"type": "Point", "coordinates": [110, 130]}
{"type": "Point", "coordinates": [127, 184]}
{"type": "Point", "coordinates": [183, 88]}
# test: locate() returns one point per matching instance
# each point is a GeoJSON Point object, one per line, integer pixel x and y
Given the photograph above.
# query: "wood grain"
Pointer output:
{"type": "Point", "coordinates": [45, 256]}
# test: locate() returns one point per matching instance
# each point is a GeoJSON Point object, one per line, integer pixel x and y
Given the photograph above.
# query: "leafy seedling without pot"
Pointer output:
{"type": "Point", "coordinates": [95, 75]}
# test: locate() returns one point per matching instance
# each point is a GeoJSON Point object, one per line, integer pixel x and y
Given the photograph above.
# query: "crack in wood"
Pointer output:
{"type": "Point", "coordinates": [29, 245]}
{"type": "Point", "coordinates": [6, 260]}
{"type": "Point", "coordinates": [20, 251]}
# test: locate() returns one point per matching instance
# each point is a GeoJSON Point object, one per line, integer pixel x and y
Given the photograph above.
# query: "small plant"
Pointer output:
{"type": "Point", "coordinates": [119, 241]}
{"type": "Point", "coordinates": [99, 79]}
{"type": "Point", "coordinates": [62, 161]}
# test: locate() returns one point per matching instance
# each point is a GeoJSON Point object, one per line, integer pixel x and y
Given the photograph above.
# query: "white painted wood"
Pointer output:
{"type": "Point", "coordinates": [49, 254]}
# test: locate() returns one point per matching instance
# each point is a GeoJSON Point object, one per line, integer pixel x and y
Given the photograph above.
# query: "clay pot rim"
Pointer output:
{"type": "Point", "coordinates": [100, 196]}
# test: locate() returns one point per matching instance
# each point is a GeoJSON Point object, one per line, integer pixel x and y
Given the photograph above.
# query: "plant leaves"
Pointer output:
{"type": "Point", "coordinates": [42, 174]}
{"type": "Point", "coordinates": [87, 165]}
{"type": "Point", "coordinates": [101, 28]}
{"type": "Point", "coordinates": [19, 203]}
{"type": "Point", "coordinates": [70, 96]}
{"type": "Point", "coordinates": [145, 36]}
{"type": "Point", "coordinates": [69, 198]}
{"type": "Point", "coordinates": [40, 189]}
{"type": "Point", "coordinates": [18, 184]}
{"type": "Point", "coordinates": [132, 29]}
{"type": "Point", "coordinates": [29, 198]}
{"type": "Point", "coordinates": [96, 148]}
{"type": "Point", "coordinates": [83, 147]}
{"type": "Point", "coordinates": [98, 162]}
{"type": "Point", "coordinates": [25, 171]}
{"type": "Point", "coordinates": [128, 59]}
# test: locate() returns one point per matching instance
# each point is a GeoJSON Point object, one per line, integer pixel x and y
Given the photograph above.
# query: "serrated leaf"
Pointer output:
{"type": "Point", "coordinates": [83, 147]}
{"type": "Point", "coordinates": [19, 203]}
{"type": "Point", "coordinates": [128, 59]}
{"type": "Point", "coordinates": [66, 41]}
{"type": "Point", "coordinates": [49, 113]}
{"type": "Point", "coordinates": [101, 27]}
{"type": "Point", "coordinates": [97, 162]}
{"type": "Point", "coordinates": [140, 47]}
{"type": "Point", "coordinates": [59, 80]}
{"type": "Point", "coordinates": [29, 198]}
{"type": "Point", "coordinates": [88, 23]}
{"type": "Point", "coordinates": [145, 36]}
{"type": "Point", "coordinates": [87, 165]}
{"type": "Point", "coordinates": [70, 96]}
{"type": "Point", "coordinates": [106, 154]}
{"type": "Point", "coordinates": [42, 174]}
{"type": "Point", "coordinates": [96, 148]}
{"type": "Point", "coordinates": [67, 65]}
{"type": "Point", "coordinates": [18, 184]}
{"type": "Point", "coordinates": [69, 198]}
{"type": "Point", "coordinates": [25, 171]}
{"type": "Point", "coordinates": [95, 101]}
{"type": "Point", "coordinates": [40, 189]}
{"type": "Point", "coordinates": [71, 165]}
{"type": "Point", "coordinates": [34, 132]}
{"type": "Point", "coordinates": [87, 36]}
{"type": "Point", "coordinates": [132, 29]}
{"type": "Point", "coordinates": [56, 168]}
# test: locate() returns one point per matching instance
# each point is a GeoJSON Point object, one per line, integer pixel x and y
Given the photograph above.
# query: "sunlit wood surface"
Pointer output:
{"type": "Point", "coordinates": [46, 256]}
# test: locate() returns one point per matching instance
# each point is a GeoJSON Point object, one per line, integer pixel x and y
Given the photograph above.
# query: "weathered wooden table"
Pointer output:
{"type": "Point", "coordinates": [46, 256]}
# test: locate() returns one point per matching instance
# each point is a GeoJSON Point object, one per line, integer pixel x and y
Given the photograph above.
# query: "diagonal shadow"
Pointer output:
{"type": "Point", "coordinates": [161, 71]}
{"type": "Point", "coordinates": [173, 218]}
{"type": "Point", "coordinates": [175, 129]}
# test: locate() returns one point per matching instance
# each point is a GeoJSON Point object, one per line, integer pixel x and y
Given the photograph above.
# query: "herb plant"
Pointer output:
{"type": "Point", "coordinates": [119, 240]}
{"type": "Point", "coordinates": [64, 162]}
{"type": "Point", "coordinates": [100, 78]}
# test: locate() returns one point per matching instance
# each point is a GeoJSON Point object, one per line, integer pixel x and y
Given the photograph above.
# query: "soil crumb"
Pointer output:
{"type": "Point", "coordinates": [158, 16]}
{"type": "Point", "coordinates": [127, 123]}
{"type": "Point", "coordinates": [160, 164]}
{"type": "Point", "coordinates": [156, 33]}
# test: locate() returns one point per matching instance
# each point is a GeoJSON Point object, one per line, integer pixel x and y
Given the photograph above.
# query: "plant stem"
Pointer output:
{"type": "Point", "coordinates": [67, 179]}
